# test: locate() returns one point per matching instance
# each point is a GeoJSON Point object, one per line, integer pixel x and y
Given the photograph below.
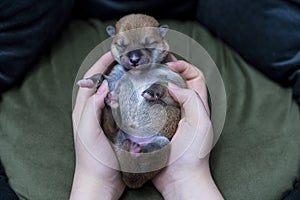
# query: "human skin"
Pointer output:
{"type": "Point", "coordinates": [188, 177]}
{"type": "Point", "coordinates": [92, 178]}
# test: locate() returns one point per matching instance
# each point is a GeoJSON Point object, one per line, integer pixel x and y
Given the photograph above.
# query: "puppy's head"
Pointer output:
{"type": "Point", "coordinates": [138, 40]}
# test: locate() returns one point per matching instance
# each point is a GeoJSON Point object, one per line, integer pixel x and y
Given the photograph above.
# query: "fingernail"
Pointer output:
{"type": "Point", "coordinates": [103, 87]}
{"type": "Point", "coordinates": [173, 91]}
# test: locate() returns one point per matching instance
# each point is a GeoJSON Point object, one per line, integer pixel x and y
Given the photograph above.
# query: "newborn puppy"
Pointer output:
{"type": "Point", "coordinates": [140, 116]}
{"type": "Point", "coordinates": [138, 39]}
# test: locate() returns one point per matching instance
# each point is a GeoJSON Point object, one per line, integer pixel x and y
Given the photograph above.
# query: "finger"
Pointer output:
{"type": "Point", "coordinates": [192, 106]}
{"type": "Point", "coordinates": [100, 96]}
{"type": "Point", "coordinates": [193, 126]}
{"type": "Point", "coordinates": [192, 140]}
{"type": "Point", "coordinates": [90, 133]}
{"type": "Point", "coordinates": [194, 76]}
{"type": "Point", "coordinates": [198, 84]}
{"type": "Point", "coordinates": [84, 93]}
{"type": "Point", "coordinates": [187, 71]}
{"type": "Point", "coordinates": [99, 67]}
{"type": "Point", "coordinates": [91, 111]}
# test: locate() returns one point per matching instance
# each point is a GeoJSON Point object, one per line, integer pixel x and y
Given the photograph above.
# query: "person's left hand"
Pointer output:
{"type": "Point", "coordinates": [94, 178]}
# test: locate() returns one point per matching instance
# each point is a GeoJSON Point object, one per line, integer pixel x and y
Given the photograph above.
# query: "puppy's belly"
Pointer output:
{"type": "Point", "coordinates": [140, 140]}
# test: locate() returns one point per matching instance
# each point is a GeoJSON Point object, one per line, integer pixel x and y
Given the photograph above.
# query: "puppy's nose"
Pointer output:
{"type": "Point", "coordinates": [134, 61]}
{"type": "Point", "coordinates": [134, 57]}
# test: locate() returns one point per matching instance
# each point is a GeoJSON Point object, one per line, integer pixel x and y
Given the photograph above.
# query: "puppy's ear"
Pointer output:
{"type": "Point", "coordinates": [111, 30]}
{"type": "Point", "coordinates": [163, 29]}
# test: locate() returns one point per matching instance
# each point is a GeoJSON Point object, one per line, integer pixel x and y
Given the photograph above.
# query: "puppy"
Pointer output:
{"type": "Point", "coordinates": [140, 116]}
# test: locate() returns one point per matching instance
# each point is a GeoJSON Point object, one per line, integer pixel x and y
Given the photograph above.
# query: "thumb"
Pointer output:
{"type": "Point", "coordinates": [91, 116]}
{"type": "Point", "coordinates": [95, 103]}
{"type": "Point", "coordinates": [193, 125]}
{"type": "Point", "coordinates": [100, 96]}
{"type": "Point", "coordinates": [190, 102]}
{"type": "Point", "coordinates": [90, 135]}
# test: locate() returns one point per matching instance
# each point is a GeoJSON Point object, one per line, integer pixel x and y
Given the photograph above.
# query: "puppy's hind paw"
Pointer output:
{"type": "Point", "coordinates": [135, 148]}
{"type": "Point", "coordinates": [86, 83]}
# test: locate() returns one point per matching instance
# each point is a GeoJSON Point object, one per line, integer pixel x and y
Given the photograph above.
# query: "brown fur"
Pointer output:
{"type": "Point", "coordinates": [135, 21]}
{"type": "Point", "coordinates": [128, 42]}
{"type": "Point", "coordinates": [137, 31]}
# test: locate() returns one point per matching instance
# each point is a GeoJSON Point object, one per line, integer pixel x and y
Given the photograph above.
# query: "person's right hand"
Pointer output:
{"type": "Point", "coordinates": [96, 175]}
{"type": "Point", "coordinates": [188, 177]}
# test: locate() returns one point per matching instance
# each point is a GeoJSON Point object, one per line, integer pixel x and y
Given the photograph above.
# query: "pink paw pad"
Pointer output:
{"type": "Point", "coordinates": [150, 97]}
{"type": "Point", "coordinates": [135, 148]}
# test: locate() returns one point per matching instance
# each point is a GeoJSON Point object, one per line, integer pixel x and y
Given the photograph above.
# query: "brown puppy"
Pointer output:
{"type": "Point", "coordinates": [140, 116]}
{"type": "Point", "coordinates": [137, 40]}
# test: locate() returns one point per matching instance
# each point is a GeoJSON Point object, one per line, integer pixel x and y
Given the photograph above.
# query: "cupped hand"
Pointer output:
{"type": "Point", "coordinates": [94, 178]}
{"type": "Point", "coordinates": [188, 174]}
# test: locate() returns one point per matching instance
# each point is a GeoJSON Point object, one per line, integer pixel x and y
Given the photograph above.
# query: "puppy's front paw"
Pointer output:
{"type": "Point", "coordinates": [86, 83]}
{"type": "Point", "coordinates": [154, 92]}
{"type": "Point", "coordinates": [91, 82]}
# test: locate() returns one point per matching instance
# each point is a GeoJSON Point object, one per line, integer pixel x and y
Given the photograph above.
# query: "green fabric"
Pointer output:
{"type": "Point", "coordinates": [257, 156]}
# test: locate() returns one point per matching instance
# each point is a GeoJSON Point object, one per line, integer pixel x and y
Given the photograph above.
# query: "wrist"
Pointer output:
{"type": "Point", "coordinates": [87, 187]}
{"type": "Point", "coordinates": [194, 184]}
{"type": "Point", "coordinates": [182, 189]}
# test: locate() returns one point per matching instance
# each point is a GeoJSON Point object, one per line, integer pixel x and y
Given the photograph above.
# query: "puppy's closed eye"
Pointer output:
{"type": "Point", "coordinates": [121, 44]}
{"type": "Point", "coordinates": [149, 42]}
